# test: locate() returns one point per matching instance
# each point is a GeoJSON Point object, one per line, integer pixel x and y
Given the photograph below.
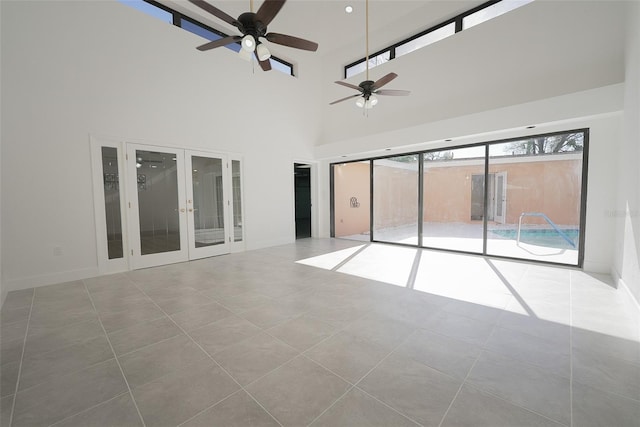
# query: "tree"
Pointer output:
{"type": "Point", "coordinates": [547, 144]}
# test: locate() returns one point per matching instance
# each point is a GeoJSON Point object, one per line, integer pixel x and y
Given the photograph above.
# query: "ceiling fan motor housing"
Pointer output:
{"type": "Point", "coordinates": [250, 26]}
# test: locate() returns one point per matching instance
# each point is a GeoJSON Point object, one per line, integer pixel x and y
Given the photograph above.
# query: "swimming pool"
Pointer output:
{"type": "Point", "coordinates": [541, 236]}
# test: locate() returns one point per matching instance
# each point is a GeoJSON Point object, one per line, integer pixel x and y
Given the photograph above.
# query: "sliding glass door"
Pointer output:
{"type": "Point", "coordinates": [517, 198]}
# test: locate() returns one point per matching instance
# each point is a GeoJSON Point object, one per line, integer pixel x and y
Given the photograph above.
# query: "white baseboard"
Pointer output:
{"type": "Point", "coordinates": [49, 279]}
{"type": "Point", "coordinates": [620, 284]}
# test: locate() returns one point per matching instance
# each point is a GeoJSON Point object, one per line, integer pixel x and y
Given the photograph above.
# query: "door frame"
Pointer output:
{"type": "Point", "coordinates": [314, 196]}
{"type": "Point", "coordinates": [151, 260]}
{"type": "Point", "coordinates": [106, 265]}
{"type": "Point", "coordinates": [224, 247]}
{"type": "Point", "coordinates": [128, 210]}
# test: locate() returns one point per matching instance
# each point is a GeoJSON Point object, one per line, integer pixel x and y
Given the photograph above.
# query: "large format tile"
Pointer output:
{"type": "Point", "coordinates": [347, 355]}
{"type": "Point", "coordinates": [143, 334]}
{"type": "Point", "coordinates": [9, 378]}
{"type": "Point", "coordinates": [595, 408]}
{"type": "Point", "coordinates": [445, 354]}
{"type": "Point", "coordinates": [145, 312]}
{"type": "Point", "coordinates": [271, 314]}
{"type": "Point", "coordinates": [357, 408]}
{"type": "Point", "coordinates": [252, 358]}
{"type": "Point", "coordinates": [67, 395]}
{"type": "Point", "coordinates": [13, 331]}
{"type": "Point", "coordinates": [302, 332]}
{"type": "Point", "coordinates": [606, 373]}
{"type": "Point", "coordinates": [11, 351]}
{"type": "Point", "coordinates": [381, 330]}
{"type": "Point", "coordinates": [460, 327]}
{"type": "Point", "coordinates": [180, 395]}
{"type": "Point", "coordinates": [41, 367]}
{"type": "Point", "coordinates": [474, 408]}
{"type": "Point", "coordinates": [237, 410]}
{"type": "Point", "coordinates": [18, 299]}
{"type": "Point", "coordinates": [218, 335]}
{"type": "Point", "coordinates": [298, 392]}
{"type": "Point", "coordinates": [197, 316]}
{"type": "Point", "coordinates": [244, 301]}
{"type": "Point", "coordinates": [62, 337]}
{"type": "Point", "coordinates": [14, 315]}
{"type": "Point", "coordinates": [117, 412]}
{"type": "Point", "coordinates": [157, 360]}
{"type": "Point", "coordinates": [528, 348]}
{"type": "Point", "coordinates": [6, 403]}
{"type": "Point", "coordinates": [417, 391]}
{"type": "Point", "coordinates": [525, 385]}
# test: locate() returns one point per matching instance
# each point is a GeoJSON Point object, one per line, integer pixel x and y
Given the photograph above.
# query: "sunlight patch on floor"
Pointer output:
{"type": "Point", "coordinates": [331, 260]}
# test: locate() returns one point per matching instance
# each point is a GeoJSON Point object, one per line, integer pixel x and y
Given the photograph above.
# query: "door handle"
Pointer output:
{"type": "Point", "coordinates": [181, 209]}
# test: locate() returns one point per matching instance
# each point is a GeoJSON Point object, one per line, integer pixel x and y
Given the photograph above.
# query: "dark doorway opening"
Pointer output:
{"type": "Point", "coordinates": [302, 179]}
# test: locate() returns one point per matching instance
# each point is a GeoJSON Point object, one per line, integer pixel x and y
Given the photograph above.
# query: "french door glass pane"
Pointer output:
{"type": "Point", "coordinates": [453, 204]}
{"type": "Point", "coordinates": [537, 199]}
{"type": "Point", "coordinates": [351, 200]}
{"type": "Point", "coordinates": [208, 201]}
{"type": "Point", "coordinates": [111, 181]}
{"type": "Point", "coordinates": [157, 182]}
{"type": "Point", "coordinates": [236, 184]}
{"type": "Point", "coordinates": [395, 199]}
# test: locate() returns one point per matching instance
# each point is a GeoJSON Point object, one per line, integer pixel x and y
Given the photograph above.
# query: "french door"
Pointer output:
{"type": "Point", "coordinates": [180, 203]}
{"type": "Point", "coordinates": [160, 205]}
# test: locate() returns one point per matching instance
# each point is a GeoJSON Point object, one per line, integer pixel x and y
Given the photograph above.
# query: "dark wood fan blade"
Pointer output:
{"type": "Point", "coordinates": [292, 41]}
{"type": "Point", "coordinates": [349, 85]}
{"type": "Point", "coordinates": [383, 81]}
{"type": "Point", "coordinates": [216, 12]}
{"type": "Point", "coordinates": [269, 10]}
{"type": "Point", "coordinates": [265, 65]}
{"type": "Point", "coordinates": [345, 98]}
{"type": "Point", "coordinates": [392, 92]}
{"type": "Point", "coordinates": [220, 42]}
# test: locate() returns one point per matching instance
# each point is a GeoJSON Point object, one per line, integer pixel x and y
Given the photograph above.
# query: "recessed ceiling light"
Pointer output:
{"type": "Point", "coordinates": [348, 9]}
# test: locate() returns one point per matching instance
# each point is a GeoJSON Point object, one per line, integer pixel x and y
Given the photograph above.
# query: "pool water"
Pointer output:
{"type": "Point", "coordinates": [542, 237]}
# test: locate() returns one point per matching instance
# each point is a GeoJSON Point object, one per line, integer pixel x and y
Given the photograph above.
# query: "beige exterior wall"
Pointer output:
{"type": "Point", "coordinates": [351, 180]}
{"type": "Point", "coordinates": [547, 185]}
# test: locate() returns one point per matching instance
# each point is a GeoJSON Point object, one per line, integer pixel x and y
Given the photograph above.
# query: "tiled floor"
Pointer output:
{"type": "Point", "coordinates": [256, 339]}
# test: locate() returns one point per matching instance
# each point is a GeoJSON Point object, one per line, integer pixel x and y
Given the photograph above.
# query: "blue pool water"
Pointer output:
{"type": "Point", "coordinates": [542, 237]}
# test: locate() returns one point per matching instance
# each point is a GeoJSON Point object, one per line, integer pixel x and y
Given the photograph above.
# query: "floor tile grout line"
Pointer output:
{"type": "Point", "coordinates": [89, 408]}
{"type": "Point", "coordinates": [462, 384]}
{"type": "Point", "coordinates": [211, 357]}
{"type": "Point", "coordinates": [135, 404]}
{"type": "Point", "coordinates": [482, 350]}
{"type": "Point", "coordinates": [354, 385]}
{"type": "Point", "coordinates": [210, 407]}
{"type": "Point", "coordinates": [24, 346]}
{"type": "Point", "coordinates": [388, 406]}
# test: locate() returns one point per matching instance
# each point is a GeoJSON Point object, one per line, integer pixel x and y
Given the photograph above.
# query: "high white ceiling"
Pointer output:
{"type": "Point", "coordinates": [327, 23]}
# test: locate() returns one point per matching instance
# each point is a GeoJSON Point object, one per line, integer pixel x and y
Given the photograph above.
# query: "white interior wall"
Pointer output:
{"type": "Point", "coordinates": [626, 268]}
{"type": "Point", "coordinates": [101, 68]}
{"type": "Point", "coordinates": [71, 69]}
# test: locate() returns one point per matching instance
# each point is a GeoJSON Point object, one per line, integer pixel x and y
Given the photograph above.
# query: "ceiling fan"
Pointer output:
{"type": "Point", "coordinates": [368, 89]}
{"type": "Point", "coordinates": [253, 27]}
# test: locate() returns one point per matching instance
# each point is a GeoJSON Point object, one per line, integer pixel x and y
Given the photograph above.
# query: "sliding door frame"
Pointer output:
{"type": "Point", "coordinates": [487, 145]}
